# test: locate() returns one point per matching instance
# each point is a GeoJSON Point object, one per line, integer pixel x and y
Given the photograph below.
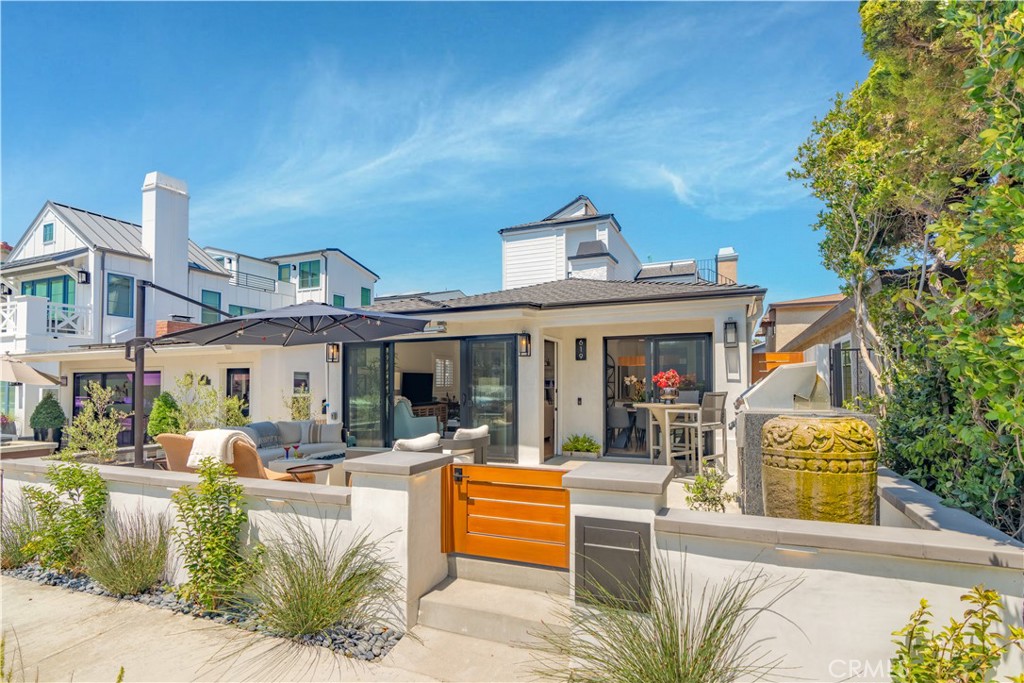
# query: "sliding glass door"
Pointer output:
{"type": "Point", "coordinates": [689, 355]}
{"type": "Point", "coordinates": [367, 388]}
{"type": "Point", "coordinates": [489, 391]}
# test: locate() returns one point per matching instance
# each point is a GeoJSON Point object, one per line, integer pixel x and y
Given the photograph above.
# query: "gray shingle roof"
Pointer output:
{"type": "Point", "coordinates": [581, 292]}
{"type": "Point", "coordinates": [112, 234]}
{"type": "Point", "coordinates": [405, 304]}
{"type": "Point", "coordinates": [556, 221]}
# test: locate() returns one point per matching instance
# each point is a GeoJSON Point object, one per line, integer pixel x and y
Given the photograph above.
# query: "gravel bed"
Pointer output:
{"type": "Point", "coordinates": [367, 643]}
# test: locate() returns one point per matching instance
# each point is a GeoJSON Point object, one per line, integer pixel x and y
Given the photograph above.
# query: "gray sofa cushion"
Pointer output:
{"type": "Point", "coordinates": [266, 434]}
{"type": "Point", "coordinates": [293, 432]}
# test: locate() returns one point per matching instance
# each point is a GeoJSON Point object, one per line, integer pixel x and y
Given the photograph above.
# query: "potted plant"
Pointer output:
{"type": "Point", "coordinates": [48, 419]}
{"type": "Point", "coordinates": [7, 425]}
{"type": "Point", "coordinates": [581, 446]}
{"type": "Point", "coordinates": [668, 381]}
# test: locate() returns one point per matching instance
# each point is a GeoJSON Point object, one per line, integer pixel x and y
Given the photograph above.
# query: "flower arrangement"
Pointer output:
{"type": "Point", "coordinates": [637, 388]}
{"type": "Point", "coordinates": [5, 420]}
{"type": "Point", "coordinates": [668, 379]}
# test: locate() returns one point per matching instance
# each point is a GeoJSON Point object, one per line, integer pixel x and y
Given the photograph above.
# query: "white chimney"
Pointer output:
{"type": "Point", "coordinates": [165, 238]}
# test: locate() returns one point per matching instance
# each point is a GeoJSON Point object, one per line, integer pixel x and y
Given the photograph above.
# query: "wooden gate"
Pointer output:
{"type": "Point", "coordinates": [508, 513]}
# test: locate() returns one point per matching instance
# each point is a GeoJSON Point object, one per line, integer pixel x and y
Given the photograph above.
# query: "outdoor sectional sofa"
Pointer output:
{"type": "Point", "coordinates": [314, 440]}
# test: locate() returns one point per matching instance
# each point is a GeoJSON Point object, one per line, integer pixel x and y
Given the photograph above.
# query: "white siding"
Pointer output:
{"type": "Point", "coordinates": [628, 264]}
{"type": "Point", "coordinates": [531, 259]}
{"type": "Point", "coordinates": [63, 239]}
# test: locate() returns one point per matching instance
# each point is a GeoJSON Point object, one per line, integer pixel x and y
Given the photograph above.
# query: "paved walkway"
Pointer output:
{"type": "Point", "coordinates": [55, 634]}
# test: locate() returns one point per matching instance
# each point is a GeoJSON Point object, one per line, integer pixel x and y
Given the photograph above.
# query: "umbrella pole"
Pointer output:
{"type": "Point", "coordinates": [140, 370]}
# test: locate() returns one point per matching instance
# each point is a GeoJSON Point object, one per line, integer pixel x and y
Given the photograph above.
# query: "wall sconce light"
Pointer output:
{"type": "Point", "coordinates": [83, 277]}
{"type": "Point", "coordinates": [333, 352]}
{"type": "Point", "coordinates": [5, 290]}
{"type": "Point", "coordinates": [63, 380]}
{"type": "Point", "coordinates": [525, 346]}
{"type": "Point", "coordinates": [732, 337]}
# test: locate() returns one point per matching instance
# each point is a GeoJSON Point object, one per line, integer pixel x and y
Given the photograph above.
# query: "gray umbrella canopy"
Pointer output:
{"type": "Point", "coordinates": [299, 324]}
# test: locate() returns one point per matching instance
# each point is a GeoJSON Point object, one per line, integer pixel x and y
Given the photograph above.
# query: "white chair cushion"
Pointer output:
{"type": "Point", "coordinates": [420, 443]}
{"type": "Point", "coordinates": [472, 433]}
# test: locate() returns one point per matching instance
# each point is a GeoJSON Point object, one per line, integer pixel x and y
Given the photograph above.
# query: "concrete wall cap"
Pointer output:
{"type": "Point", "coordinates": [917, 544]}
{"type": "Point", "coordinates": [399, 463]}
{"type": "Point", "coordinates": [256, 488]}
{"type": "Point", "coordinates": [621, 477]}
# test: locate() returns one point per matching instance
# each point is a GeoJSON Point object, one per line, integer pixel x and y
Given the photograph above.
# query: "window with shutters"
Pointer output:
{"type": "Point", "coordinates": [444, 372]}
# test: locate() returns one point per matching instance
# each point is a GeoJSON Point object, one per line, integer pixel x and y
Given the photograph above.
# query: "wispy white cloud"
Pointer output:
{"type": "Point", "coordinates": [627, 104]}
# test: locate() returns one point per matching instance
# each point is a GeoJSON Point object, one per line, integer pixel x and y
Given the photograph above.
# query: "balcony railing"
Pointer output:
{"type": "Point", "coordinates": [707, 271]}
{"type": "Point", "coordinates": [8, 318]}
{"type": "Point", "coordinates": [253, 281]}
{"type": "Point", "coordinates": [67, 320]}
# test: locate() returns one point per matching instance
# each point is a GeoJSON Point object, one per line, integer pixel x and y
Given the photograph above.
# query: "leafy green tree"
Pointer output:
{"type": "Point", "coordinates": [980, 315]}
{"type": "Point", "coordinates": [202, 406]}
{"type": "Point", "coordinates": [47, 414]}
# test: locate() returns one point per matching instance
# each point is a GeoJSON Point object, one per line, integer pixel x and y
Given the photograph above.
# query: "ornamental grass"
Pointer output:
{"type": "Point", "coordinates": [131, 556]}
{"type": "Point", "coordinates": [310, 581]}
{"type": "Point", "coordinates": [688, 635]}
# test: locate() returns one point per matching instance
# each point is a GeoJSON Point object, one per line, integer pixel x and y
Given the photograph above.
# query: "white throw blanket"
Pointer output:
{"type": "Point", "coordinates": [215, 443]}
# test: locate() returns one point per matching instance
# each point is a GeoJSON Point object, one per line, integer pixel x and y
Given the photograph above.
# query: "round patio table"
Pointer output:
{"type": "Point", "coordinates": [312, 467]}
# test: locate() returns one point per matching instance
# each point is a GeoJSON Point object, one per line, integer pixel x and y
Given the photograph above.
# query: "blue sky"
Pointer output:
{"type": "Point", "coordinates": [408, 134]}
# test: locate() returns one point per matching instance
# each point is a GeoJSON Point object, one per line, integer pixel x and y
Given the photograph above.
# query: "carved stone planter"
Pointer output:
{"type": "Point", "coordinates": [820, 468]}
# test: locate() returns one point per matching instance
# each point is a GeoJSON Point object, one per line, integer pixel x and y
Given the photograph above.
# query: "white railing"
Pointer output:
{"type": "Point", "coordinates": [68, 320]}
{"type": "Point", "coordinates": [8, 318]}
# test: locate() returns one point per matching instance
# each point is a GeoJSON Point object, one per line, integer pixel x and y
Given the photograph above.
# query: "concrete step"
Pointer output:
{"type": "Point", "coordinates": [513, 574]}
{"type": "Point", "coordinates": [488, 611]}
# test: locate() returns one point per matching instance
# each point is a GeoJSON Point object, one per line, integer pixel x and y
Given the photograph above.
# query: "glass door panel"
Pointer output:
{"type": "Point", "coordinates": [489, 391]}
{"type": "Point", "coordinates": [689, 355]}
{"type": "Point", "coordinates": [366, 413]}
{"type": "Point", "coordinates": [238, 385]}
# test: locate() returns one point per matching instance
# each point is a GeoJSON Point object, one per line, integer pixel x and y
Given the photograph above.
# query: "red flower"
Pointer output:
{"type": "Point", "coordinates": [666, 379]}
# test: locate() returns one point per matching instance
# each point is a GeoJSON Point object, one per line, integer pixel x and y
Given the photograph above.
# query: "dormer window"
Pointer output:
{"type": "Point", "coordinates": [48, 233]}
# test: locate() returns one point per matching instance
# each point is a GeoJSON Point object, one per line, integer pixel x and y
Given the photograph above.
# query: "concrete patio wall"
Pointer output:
{"type": "Point", "coordinates": [852, 585]}
{"type": "Point", "coordinates": [397, 502]}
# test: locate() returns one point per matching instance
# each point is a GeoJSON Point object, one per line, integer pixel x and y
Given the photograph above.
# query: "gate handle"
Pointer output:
{"type": "Point", "coordinates": [457, 475]}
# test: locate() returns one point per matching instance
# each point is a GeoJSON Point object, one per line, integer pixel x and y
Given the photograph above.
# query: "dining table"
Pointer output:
{"type": "Point", "coordinates": [660, 412]}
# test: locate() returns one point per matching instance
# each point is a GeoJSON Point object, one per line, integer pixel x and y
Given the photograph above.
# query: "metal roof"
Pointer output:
{"type": "Point", "coordinates": [112, 234]}
{"type": "Point", "coordinates": [579, 292]}
{"type": "Point", "coordinates": [45, 258]}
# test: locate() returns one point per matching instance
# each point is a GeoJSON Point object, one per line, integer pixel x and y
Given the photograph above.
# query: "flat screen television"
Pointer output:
{"type": "Point", "coordinates": [418, 387]}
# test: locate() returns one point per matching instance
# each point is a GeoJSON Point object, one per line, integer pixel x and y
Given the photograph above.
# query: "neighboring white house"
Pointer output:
{"type": "Point", "coordinates": [70, 282]}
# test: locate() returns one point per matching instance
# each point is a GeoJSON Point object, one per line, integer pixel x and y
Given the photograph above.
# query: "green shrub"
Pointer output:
{"type": "Point", "coordinates": [211, 516]}
{"type": "Point", "coordinates": [232, 412]}
{"type": "Point", "coordinates": [67, 514]}
{"type": "Point", "coordinates": [47, 414]}
{"type": "Point", "coordinates": [16, 531]}
{"type": "Point", "coordinates": [131, 556]}
{"type": "Point", "coordinates": [309, 582]}
{"type": "Point", "coordinates": [686, 637]}
{"type": "Point", "coordinates": [706, 492]}
{"type": "Point", "coordinates": [163, 418]}
{"type": "Point", "coordinates": [95, 428]}
{"type": "Point", "coordinates": [299, 405]}
{"type": "Point", "coordinates": [966, 651]}
{"type": "Point", "coordinates": [202, 406]}
{"type": "Point", "coordinates": [581, 443]}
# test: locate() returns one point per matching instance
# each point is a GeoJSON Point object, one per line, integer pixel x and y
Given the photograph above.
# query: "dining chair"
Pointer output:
{"type": "Point", "coordinates": [684, 441]}
{"type": "Point", "coordinates": [619, 423]}
{"type": "Point", "coordinates": [712, 419]}
{"type": "Point", "coordinates": [640, 425]}
{"type": "Point", "coordinates": [689, 396]}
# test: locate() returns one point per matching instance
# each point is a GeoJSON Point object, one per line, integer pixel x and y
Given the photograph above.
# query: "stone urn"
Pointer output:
{"type": "Point", "coordinates": [820, 468]}
{"type": "Point", "coordinates": [669, 394]}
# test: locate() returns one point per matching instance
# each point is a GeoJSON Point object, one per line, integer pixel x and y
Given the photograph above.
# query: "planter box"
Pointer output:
{"type": "Point", "coordinates": [585, 455]}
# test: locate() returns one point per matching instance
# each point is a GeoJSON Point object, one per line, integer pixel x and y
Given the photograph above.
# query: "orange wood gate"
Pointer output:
{"type": "Point", "coordinates": [508, 513]}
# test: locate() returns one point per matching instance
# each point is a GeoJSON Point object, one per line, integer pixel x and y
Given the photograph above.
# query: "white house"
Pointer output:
{"type": "Point", "coordinates": [70, 283]}
{"type": "Point", "coordinates": [544, 357]}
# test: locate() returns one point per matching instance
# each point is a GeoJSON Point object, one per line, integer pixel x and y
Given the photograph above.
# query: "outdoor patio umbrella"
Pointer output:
{"type": "Point", "coordinates": [14, 370]}
{"type": "Point", "coordinates": [299, 324]}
